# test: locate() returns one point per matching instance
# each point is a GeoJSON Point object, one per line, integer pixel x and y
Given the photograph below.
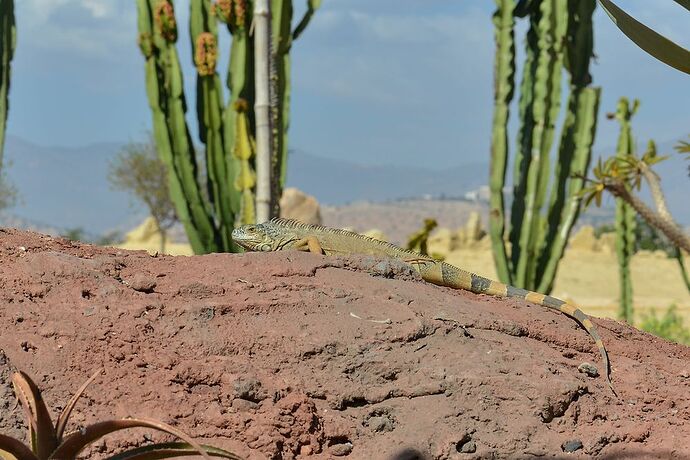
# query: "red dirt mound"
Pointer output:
{"type": "Point", "coordinates": [291, 355]}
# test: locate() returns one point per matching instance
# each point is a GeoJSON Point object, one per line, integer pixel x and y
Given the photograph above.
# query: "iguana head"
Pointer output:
{"type": "Point", "coordinates": [256, 237]}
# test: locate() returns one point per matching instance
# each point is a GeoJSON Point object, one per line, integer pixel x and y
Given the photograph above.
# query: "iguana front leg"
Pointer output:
{"type": "Point", "coordinates": [309, 244]}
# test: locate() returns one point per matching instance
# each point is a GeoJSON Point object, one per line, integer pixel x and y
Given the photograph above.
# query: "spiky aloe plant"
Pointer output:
{"type": "Point", "coordinates": [8, 42]}
{"type": "Point", "coordinates": [560, 37]}
{"type": "Point", "coordinates": [48, 441]}
{"type": "Point", "coordinates": [208, 216]}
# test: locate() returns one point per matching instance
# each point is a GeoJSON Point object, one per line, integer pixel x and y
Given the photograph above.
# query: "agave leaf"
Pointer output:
{"type": "Point", "coordinates": [684, 3]}
{"type": "Point", "coordinates": [13, 449]}
{"type": "Point", "coordinates": [650, 41]}
{"type": "Point", "coordinates": [41, 430]}
{"type": "Point", "coordinates": [67, 411]}
{"type": "Point", "coordinates": [170, 450]}
{"type": "Point", "coordinates": [77, 441]}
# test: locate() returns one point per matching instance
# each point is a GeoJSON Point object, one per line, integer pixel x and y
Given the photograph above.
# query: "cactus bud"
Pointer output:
{"type": "Point", "coordinates": [164, 15]}
{"type": "Point", "coordinates": [222, 9]}
{"type": "Point", "coordinates": [206, 54]}
{"type": "Point", "coordinates": [240, 13]}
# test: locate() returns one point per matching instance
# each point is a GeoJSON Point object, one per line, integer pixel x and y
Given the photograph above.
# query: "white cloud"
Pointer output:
{"type": "Point", "coordinates": [90, 28]}
{"type": "Point", "coordinates": [99, 8]}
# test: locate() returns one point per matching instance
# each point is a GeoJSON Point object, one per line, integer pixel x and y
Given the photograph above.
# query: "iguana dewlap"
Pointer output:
{"type": "Point", "coordinates": [287, 234]}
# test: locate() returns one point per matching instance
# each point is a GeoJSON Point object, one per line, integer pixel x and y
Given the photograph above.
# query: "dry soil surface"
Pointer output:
{"type": "Point", "coordinates": [292, 355]}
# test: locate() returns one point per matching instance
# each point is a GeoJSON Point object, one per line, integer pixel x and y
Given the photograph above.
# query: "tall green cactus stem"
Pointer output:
{"type": "Point", "coordinates": [8, 42]}
{"type": "Point", "coordinates": [283, 37]}
{"type": "Point", "coordinates": [504, 74]}
{"type": "Point", "coordinates": [548, 28]}
{"type": "Point", "coordinates": [625, 214]}
{"type": "Point", "coordinates": [577, 138]}
{"type": "Point", "coordinates": [244, 152]}
{"type": "Point", "coordinates": [157, 35]}
{"type": "Point", "coordinates": [560, 35]}
{"type": "Point", "coordinates": [209, 105]}
{"type": "Point", "coordinates": [240, 83]}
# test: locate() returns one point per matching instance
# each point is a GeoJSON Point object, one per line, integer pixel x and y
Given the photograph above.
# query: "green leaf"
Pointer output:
{"type": "Point", "coordinates": [64, 416]}
{"type": "Point", "coordinates": [77, 441]}
{"type": "Point", "coordinates": [650, 41]}
{"type": "Point", "coordinates": [684, 3]}
{"type": "Point", "coordinates": [13, 449]}
{"type": "Point", "coordinates": [170, 450]}
{"type": "Point", "coordinates": [41, 429]}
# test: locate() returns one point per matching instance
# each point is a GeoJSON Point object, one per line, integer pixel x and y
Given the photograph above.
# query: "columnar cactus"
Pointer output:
{"type": "Point", "coordinates": [210, 216]}
{"type": "Point", "coordinates": [559, 36]}
{"type": "Point", "coordinates": [625, 214]}
{"type": "Point", "coordinates": [8, 41]}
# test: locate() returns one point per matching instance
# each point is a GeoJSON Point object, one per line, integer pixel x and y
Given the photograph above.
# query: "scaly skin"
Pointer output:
{"type": "Point", "coordinates": [286, 234]}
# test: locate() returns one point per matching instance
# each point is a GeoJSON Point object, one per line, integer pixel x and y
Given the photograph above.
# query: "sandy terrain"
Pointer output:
{"type": "Point", "coordinates": [286, 355]}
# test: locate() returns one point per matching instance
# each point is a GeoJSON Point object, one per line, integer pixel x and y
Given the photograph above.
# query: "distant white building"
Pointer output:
{"type": "Point", "coordinates": [478, 195]}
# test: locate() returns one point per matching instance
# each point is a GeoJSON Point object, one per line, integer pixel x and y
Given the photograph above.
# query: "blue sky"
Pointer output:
{"type": "Point", "coordinates": [374, 81]}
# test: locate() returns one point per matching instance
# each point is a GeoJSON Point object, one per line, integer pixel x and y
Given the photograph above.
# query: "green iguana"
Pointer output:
{"type": "Point", "coordinates": [287, 234]}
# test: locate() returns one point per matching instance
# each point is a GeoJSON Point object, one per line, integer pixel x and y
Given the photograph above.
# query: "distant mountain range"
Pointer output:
{"type": "Point", "coordinates": [66, 187]}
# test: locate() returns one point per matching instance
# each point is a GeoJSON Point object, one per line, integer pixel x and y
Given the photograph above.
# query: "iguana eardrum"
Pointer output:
{"type": "Point", "coordinates": [287, 234]}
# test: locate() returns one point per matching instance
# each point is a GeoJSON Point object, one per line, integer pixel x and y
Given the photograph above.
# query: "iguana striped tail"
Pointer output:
{"type": "Point", "coordinates": [455, 277]}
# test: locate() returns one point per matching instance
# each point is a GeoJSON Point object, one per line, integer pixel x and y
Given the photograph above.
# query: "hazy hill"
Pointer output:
{"type": "Point", "coordinates": [66, 187]}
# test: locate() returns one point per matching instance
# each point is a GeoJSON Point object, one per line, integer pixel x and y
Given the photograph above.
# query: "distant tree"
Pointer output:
{"type": "Point", "coordinates": [138, 170]}
{"type": "Point", "coordinates": [75, 234]}
{"type": "Point", "coordinates": [109, 239]}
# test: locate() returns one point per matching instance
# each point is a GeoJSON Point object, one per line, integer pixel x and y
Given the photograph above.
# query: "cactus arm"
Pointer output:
{"type": "Point", "coordinates": [244, 152]}
{"type": "Point", "coordinates": [282, 43]}
{"type": "Point", "coordinates": [173, 141]}
{"type": "Point", "coordinates": [573, 162]}
{"type": "Point", "coordinates": [209, 106]}
{"type": "Point", "coordinates": [241, 86]}
{"type": "Point", "coordinates": [312, 6]}
{"type": "Point", "coordinates": [8, 37]}
{"type": "Point", "coordinates": [546, 77]}
{"type": "Point", "coordinates": [523, 151]}
{"type": "Point", "coordinates": [625, 243]}
{"type": "Point", "coordinates": [625, 216]}
{"type": "Point", "coordinates": [553, 46]}
{"type": "Point", "coordinates": [504, 75]}
{"type": "Point", "coordinates": [577, 137]}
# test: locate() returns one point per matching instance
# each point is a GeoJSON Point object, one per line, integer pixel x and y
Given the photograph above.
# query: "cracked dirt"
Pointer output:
{"type": "Point", "coordinates": [292, 355]}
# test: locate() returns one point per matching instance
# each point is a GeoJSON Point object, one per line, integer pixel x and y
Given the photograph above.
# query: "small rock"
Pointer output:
{"type": "Point", "coordinates": [381, 424]}
{"type": "Point", "coordinates": [466, 445]}
{"type": "Point", "coordinates": [341, 450]}
{"type": "Point", "coordinates": [588, 369]}
{"type": "Point", "coordinates": [242, 405]}
{"type": "Point", "coordinates": [142, 283]}
{"type": "Point", "coordinates": [468, 448]}
{"type": "Point", "coordinates": [572, 445]}
{"type": "Point", "coordinates": [249, 388]}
